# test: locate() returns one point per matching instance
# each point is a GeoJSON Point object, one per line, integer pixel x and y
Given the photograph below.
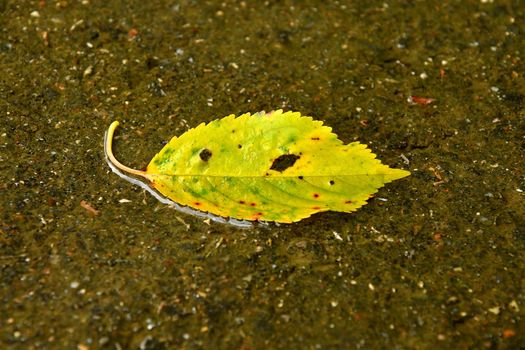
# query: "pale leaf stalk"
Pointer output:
{"type": "Point", "coordinates": [108, 148]}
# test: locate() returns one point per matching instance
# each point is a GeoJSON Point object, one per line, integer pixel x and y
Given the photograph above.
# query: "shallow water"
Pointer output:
{"type": "Point", "coordinates": [433, 261]}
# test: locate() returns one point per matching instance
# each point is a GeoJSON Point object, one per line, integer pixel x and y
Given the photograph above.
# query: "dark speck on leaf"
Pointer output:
{"type": "Point", "coordinates": [315, 138]}
{"type": "Point", "coordinates": [300, 177]}
{"type": "Point", "coordinates": [205, 154]}
{"type": "Point", "coordinates": [239, 146]}
{"type": "Point", "coordinates": [284, 162]}
{"type": "Point", "coordinates": [332, 182]}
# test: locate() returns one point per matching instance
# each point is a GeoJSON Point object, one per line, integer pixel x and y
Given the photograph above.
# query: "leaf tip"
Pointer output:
{"type": "Point", "coordinates": [396, 174]}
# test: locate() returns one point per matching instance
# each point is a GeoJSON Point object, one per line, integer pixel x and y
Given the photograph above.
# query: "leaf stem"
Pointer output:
{"type": "Point", "coordinates": [108, 150]}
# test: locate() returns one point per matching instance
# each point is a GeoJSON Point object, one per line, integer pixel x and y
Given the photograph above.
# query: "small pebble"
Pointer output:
{"type": "Point", "coordinates": [495, 310]}
{"type": "Point", "coordinates": [513, 305]}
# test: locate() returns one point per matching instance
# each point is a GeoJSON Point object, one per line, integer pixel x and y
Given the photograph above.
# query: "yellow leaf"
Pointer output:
{"type": "Point", "coordinates": [280, 167]}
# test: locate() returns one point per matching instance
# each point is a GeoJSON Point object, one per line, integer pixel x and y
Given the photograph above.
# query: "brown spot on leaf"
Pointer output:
{"type": "Point", "coordinates": [316, 208]}
{"type": "Point", "coordinates": [300, 177]}
{"type": "Point", "coordinates": [348, 202]}
{"type": "Point", "coordinates": [197, 203]}
{"type": "Point", "coordinates": [284, 162]}
{"type": "Point", "coordinates": [205, 154]}
{"type": "Point", "coordinates": [332, 182]}
{"type": "Point", "coordinates": [239, 146]}
{"type": "Point", "coordinates": [316, 195]}
{"type": "Point", "coordinates": [242, 202]}
{"type": "Point", "coordinates": [253, 204]}
{"type": "Point", "coordinates": [315, 138]}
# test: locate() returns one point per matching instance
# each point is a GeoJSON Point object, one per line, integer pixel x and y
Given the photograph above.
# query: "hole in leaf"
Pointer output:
{"type": "Point", "coordinates": [284, 162]}
{"type": "Point", "coordinates": [205, 154]}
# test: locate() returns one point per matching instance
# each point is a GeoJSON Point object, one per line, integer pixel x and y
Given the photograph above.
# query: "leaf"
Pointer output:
{"type": "Point", "coordinates": [280, 167]}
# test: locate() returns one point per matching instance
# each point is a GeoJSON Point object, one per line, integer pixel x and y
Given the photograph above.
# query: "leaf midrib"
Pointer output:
{"type": "Point", "coordinates": [267, 177]}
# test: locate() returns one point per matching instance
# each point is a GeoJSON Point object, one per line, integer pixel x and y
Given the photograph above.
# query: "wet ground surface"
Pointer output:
{"type": "Point", "coordinates": [435, 260]}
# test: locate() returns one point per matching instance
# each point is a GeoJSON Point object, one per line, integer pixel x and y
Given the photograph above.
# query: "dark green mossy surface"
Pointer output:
{"type": "Point", "coordinates": [440, 264]}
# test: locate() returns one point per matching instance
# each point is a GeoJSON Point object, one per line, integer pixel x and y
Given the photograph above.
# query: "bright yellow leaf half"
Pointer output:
{"type": "Point", "coordinates": [280, 167]}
